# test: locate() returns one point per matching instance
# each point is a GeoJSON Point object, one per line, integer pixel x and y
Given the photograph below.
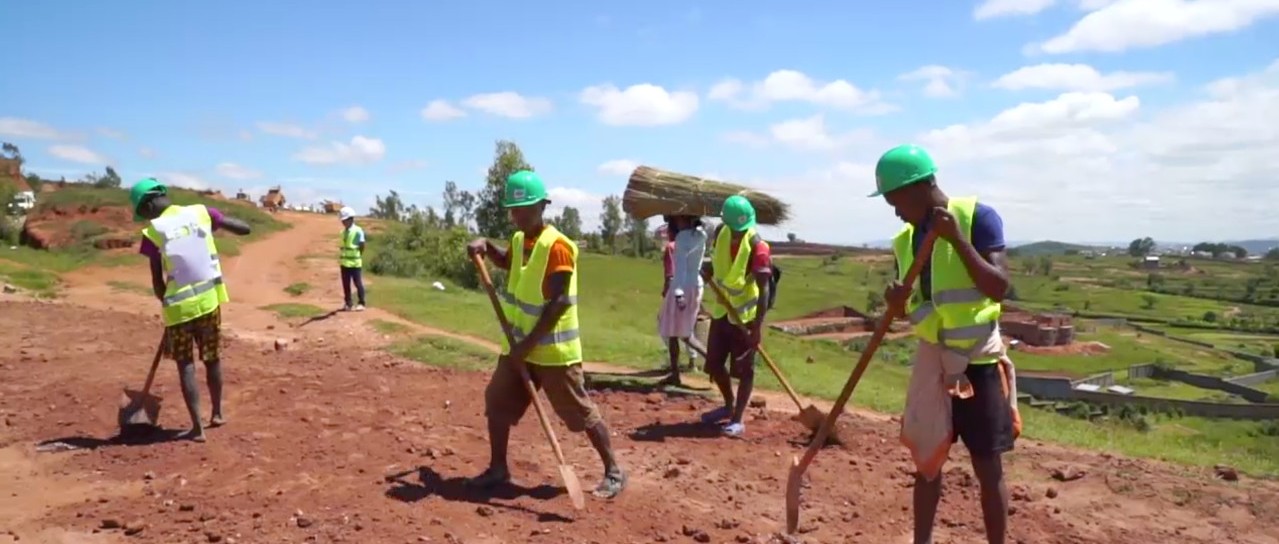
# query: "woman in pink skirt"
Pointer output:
{"type": "Point", "coordinates": [682, 289]}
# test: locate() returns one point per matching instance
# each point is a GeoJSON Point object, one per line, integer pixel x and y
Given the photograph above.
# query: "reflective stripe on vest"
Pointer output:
{"type": "Point", "coordinates": [958, 316]}
{"type": "Point", "coordinates": [732, 275]}
{"type": "Point", "coordinates": [185, 302]}
{"type": "Point", "coordinates": [523, 301]}
{"type": "Point", "coordinates": [348, 251]}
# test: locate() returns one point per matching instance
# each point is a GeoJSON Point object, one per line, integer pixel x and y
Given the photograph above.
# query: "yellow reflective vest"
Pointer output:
{"type": "Point", "coordinates": [958, 316]}
{"type": "Point", "coordinates": [193, 275]}
{"type": "Point", "coordinates": [349, 248]}
{"type": "Point", "coordinates": [523, 301]}
{"type": "Point", "coordinates": [733, 275]}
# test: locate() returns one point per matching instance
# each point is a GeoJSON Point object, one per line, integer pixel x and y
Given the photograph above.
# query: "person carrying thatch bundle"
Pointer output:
{"type": "Point", "coordinates": [741, 266]}
{"type": "Point", "coordinates": [682, 288]}
{"type": "Point", "coordinates": [962, 383]}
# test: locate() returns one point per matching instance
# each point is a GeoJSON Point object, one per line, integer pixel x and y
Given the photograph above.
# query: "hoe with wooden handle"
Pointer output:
{"type": "Point", "coordinates": [799, 465]}
{"type": "Point", "coordinates": [567, 475]}
{"type": "Point", "coordinates": [810, 416]}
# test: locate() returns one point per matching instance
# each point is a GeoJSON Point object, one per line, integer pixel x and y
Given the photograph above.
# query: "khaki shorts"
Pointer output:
{"type": "Point", "coordinates": [506, 400]}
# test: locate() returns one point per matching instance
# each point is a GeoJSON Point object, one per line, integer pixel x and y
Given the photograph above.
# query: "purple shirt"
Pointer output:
{"type": "Point", "coordinates": [987, 236]}
{"type": "Point", "coordinates": [149, 248]}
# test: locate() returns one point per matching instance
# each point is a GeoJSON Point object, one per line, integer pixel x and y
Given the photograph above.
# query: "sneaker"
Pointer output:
{"type": "Point", "coordinates": [359, 307]}
{"type": "Point", "coordinates": [346, 308]}
{"type": "Point", "coordinates": [734, 430]}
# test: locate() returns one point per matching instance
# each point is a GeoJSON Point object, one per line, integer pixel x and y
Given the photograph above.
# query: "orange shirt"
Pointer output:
{"type": "Point", "coordinates": [560, 259]}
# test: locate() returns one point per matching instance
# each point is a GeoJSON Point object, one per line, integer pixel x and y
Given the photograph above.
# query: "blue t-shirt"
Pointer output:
{"type": "Point", "coordinates": [987, 235]}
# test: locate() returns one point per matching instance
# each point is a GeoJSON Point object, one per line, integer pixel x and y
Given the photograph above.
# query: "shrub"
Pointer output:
{"type": "Point", "coordinates": [420, 250]}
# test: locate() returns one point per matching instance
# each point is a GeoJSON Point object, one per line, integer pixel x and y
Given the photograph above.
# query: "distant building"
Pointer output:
{"type": "Point", "coordinates": [1150, 262]}
{"type": "Point", "coordinates": [1036, 329]}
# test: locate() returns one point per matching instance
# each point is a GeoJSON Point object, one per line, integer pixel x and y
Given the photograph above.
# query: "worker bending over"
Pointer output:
{"type": "Point", "coordinates": [186, 277]}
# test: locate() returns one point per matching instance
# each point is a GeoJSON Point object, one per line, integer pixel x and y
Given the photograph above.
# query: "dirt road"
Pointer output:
{"type": "Point", "coordinates": [329, 441]}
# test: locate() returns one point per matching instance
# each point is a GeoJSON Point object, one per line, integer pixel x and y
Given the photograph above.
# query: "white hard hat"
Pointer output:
{"type": "Point", "coordinates": [346, 213]}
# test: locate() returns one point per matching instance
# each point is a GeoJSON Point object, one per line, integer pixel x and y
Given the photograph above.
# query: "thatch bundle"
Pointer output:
{"type": "Point", "coordinates": [651, 192]}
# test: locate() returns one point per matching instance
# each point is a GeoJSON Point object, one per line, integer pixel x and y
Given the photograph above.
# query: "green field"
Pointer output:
{"type": "Point", "coordinates": [620, 297]}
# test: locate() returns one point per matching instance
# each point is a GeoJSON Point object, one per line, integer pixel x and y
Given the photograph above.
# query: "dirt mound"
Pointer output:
{"type": "Point", "coordinates": [60, 225]}
{"type": "Point", "coordinates": [1074, 348]}
{"type": "Point", "coordinates": [330, 444]}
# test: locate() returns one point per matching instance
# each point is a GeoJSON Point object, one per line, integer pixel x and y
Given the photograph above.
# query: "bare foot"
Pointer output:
{"type": "Point", "coordinates": [217, 421]}
{"type": "Point", "coordinates": [194, 435]}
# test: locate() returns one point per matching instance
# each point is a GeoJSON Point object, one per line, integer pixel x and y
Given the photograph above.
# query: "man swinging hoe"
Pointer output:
{"type": "Point", "coordinates": [962, 383]}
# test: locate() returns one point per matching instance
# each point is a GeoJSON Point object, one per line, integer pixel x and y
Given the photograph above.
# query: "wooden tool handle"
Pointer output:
{"type": "Point", "coordinates": [881, 330]}
{"type": "Point", "coordinates": [487, 281]}
{"type": "Point", "coordinates": [732, 312]}
{"type": "Point", "coordinates": [155, 363]}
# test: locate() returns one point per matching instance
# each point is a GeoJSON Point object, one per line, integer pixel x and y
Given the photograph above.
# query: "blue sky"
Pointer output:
{"type": "Point", "coordinates": [1119, 123]}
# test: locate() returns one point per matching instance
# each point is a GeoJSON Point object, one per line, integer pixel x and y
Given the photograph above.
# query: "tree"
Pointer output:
{"type": "Point", "coordinates": [491, 219]}
{"type": "Point", "coordinates": [459, 206]}
{"type": "Point", "coordinates": [11, 151]}
{"type": "Point", "coordinates": [109, 181]}
{"type": "Point", "coordinates": [34, 181]}
{"type": "Point", "coordinates": [1141, 247]}
{"type": "Point", "coordinates": [874, 301]}
{"type": "Point", "coordinates": [1046, 265]}
{"type": "Point", "coordinates": [1149, 300]}
{"type": "Point", "coordinates": [391, 207]}
{"type": "Point", "coordinates": [569, 222]}
{"type": "Point", "coordinates": [637, 231]}
{"type": "Point", "coordinates": [1273, 254]}
{"type": "Point", "coordinates": [792, 237]}
{"type": "Point", "coordinates": [611, 221]}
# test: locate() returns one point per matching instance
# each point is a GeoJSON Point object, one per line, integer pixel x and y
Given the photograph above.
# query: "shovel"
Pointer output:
{"type": "Point", "coordinates": [140, 410]}
{"type": "Point", "coordinates": [799, 465]}
{"type": "Point", "coordinates": [567, 475]}
{"type": "Point", "coordinates": [810, 416]}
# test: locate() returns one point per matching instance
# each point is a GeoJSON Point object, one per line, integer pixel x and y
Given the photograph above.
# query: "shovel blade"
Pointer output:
{"type": "Point", "coordinates": [573, 486]}
{"type": "Point", "coordinates": [138, 410]}
{"type": "Point", "coordinates": [793, 480]}
{"type": "Point", "coordinates": [813, 418]}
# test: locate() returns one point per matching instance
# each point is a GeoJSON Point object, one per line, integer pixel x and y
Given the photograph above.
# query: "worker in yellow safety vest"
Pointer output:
{"type": "Point", "coordinates": [187, 279]}
{"type": "Point", "coordinates": [351, 259]}
{"type": "Point", "coordinates": [540, 303]}
{"type": "Point", "coordinates": [962, 382]}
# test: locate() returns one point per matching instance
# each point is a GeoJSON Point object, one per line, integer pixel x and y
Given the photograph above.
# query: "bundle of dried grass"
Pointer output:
{"type": "Point", "coordinates": [652, 191]}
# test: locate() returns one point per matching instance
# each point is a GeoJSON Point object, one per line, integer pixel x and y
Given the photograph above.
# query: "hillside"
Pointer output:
{"type": "Point", "coordinates": [1049, 247]}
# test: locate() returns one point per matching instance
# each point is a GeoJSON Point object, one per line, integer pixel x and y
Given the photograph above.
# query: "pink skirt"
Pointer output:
{"type": "Point", "coordinates": [672, 322]}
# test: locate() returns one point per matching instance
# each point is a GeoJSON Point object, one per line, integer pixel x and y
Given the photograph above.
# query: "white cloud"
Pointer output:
{"type": "Point", "coordinates": [939, 81]}
{"type": "Point", "coordinates": [618, 167]}
{"type": "Point", "coordinates": [441, 110]}
{"type": "Point", "coordinates": [644, 104]}
{"type": "Point", "coordinates": [1076, 77]}
{"type": "Point", "coordinates": [111, 133]}
{"type": "Point", "coordinates": [508, 104]}
{"type": "Point", "coordinates": [356, 114]}
{"type": "Point", "coordinates": [185, 180]}
{"type": "Point", "coordinates": [231, 170]}
{"type": "Point", "coordinates": [26, 128]}
{"type": "Point", "coordinates": [794, 86]}
{"type": "Point", "coordinates": [804, 134]}
{"type": "Point", "coordinates": [288, 130]}
{"type": "Point", "coordinates": [146, 152]}
{"type": "Point", "coordinates": [80, 154]}
{"type": "Point", "coordinates": [588, 205]}
{"type": "Point", "coordinates": [991, 9]}
{"type": "Point", "coordinates": [361, 150]}
{"type": "Point", "coordinates": [1132, 24]}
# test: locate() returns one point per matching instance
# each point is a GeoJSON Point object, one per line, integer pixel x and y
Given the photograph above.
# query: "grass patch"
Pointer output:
{"type": "Point", "coordinates": [290, 310]}
{"type": "Point", "coordinates": [620, 298]}
{"type": "Point", "coordinates": [298, 289]}
{"type": "Point", "coordinates": [41, 282]}
{"type": "Point", "coordinates": [444, 352]}
{"type": "Point", "coordinates": [389, 327]}
{"type": "Point", "coordinates": [130, 287]}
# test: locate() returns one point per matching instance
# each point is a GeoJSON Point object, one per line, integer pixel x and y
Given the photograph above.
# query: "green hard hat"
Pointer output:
{"type": "Point", "coordinates": [902, 166]}
{"type": "Point", "coordinates": [523, 188]}
{"type": "Point", "coordinates": [140, 191]}
{"type": "Point", "coordinates": [738, 213]}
